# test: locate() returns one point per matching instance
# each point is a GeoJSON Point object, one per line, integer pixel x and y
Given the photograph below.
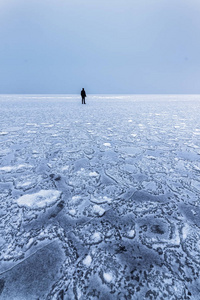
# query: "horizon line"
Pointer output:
{"type": "Point", "coordinates": [2, 94]}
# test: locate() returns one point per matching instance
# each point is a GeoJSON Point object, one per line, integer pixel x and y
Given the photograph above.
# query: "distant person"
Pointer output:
{"type": "Point", "coordinates": [83, 95]}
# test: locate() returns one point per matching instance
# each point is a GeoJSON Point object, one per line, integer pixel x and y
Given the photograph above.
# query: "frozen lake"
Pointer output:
{"type": "Point", "coordinates": [99, 201]}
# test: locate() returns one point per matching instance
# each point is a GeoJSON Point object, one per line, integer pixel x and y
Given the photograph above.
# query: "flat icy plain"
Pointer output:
{"type": "Point", "coordinates": [99, 201]}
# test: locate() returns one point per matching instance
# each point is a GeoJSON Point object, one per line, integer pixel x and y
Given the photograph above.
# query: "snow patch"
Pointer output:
{"type": "Point", "coordinates": [98, 210]}
{"type": "Point", "coordinates": [87, 261]}
{"type": "Point", "coordinates": [14, 168]}
{"type": "Point", "coordinates": [93, 174]}
{"type": "Point", "coordinates": [72, 212]}
{"type": "Point", "coordinates": [65, 168]}
{"type": "Point", "coordinates": [107, 144]}
{"type": "Point", "coordinates": [131, 234]}
{"type": "Point", "coordinates": [24, 184]}
{"type": "Point", "coordinates": [76, 199]}
{"type": "Point", "coordinates": [39, 200]}
{"type": "Point", "coordinates": [185, 231]}
{"type": "Point", "coordinates": [101, 200]}
{"type": "Point", "coordinates": [7, 169]}
{"type": "Point", "coordinates": [96, 237]}
{"type": "Point", "coordinates": [108, 277]}
{"type": "Point", "coordinates": [31, 124]}
{"type": "Point", "coordinates": [31, 131]}
{"type": "Point", "coordinates": [49, 126]}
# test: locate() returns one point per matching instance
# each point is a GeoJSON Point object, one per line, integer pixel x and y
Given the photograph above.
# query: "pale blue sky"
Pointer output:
{"type": "Point", "coordinates": [107, 46]}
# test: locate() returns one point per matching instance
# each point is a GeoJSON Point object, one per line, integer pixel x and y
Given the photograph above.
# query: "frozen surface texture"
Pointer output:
{"type": "Point", "coordinates": [99, 201]}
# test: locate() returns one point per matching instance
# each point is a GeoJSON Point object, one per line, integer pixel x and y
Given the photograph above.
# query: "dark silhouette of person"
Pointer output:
{"type": "Point", "coordinates": [83, 95]}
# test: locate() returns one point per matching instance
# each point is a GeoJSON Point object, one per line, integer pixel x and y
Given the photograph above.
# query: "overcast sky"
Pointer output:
{"type": "Point", "coordinates": [106, 46]}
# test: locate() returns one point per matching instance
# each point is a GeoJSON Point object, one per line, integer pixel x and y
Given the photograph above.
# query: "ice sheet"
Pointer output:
{"type": "Point", "coordinates": [99, 201]}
